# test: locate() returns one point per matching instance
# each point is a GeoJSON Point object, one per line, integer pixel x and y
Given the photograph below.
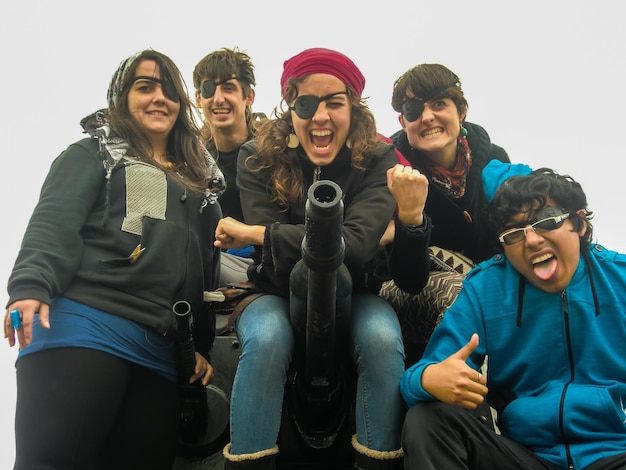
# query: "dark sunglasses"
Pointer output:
{"type": "Point", "coordinates": [413, 108]}
{"type": "Point", "coordinates": [306, 105]}
{"type": "Point", "coordinates": [169, 90]}
{"type": "Point", "coordinates": [208, 87]}
{"type": "Point", "coordinates": [546, 220]}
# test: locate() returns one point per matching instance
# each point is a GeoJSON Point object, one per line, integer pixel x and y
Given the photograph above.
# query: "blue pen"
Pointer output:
{"type": "Point", "coordinates": [16, 320]}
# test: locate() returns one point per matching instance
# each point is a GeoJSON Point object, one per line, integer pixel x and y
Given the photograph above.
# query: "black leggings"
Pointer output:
{"type": "Point", "coordinates": [82, 409]}
{"type": "Point", "coordinates": [437, 436]}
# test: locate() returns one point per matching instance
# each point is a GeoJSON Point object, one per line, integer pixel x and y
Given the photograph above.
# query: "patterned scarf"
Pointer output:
{"type": "Point", "coordinates": [452, 182]}
{"type": "Point", "coordinates": [113, 150]}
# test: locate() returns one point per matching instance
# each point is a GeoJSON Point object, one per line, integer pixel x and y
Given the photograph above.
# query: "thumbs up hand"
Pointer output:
{"type": "Point", "coordinates": [453, 381]}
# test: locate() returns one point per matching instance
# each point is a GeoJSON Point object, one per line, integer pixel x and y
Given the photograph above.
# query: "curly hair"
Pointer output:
{"type": "Point", "coordinates": [286, 178]}
{"type": "Point", "coordinates": [184, 146]}
{"type": "Point", "coordinates": [530, 193]}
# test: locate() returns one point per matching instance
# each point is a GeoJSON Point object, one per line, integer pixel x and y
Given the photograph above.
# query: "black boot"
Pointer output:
{"type": "Point", "coordinates": [369, 459]}
{"type": "Point", "coordinates": [263, 460]}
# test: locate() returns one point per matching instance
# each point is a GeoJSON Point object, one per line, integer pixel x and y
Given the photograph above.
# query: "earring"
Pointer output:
{"type": "Point", "coordinates": [463, 131]}
{"type": "Point", "coordinates": [349, 144]}
{"type": "Point", "coordinates": [293, 141]}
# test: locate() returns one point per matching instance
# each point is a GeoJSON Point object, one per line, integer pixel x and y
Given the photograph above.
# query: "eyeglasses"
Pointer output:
{"type": "Point", "coordinates": [169, 89]}
{"type": "Point", "coordinates": [306, 105]}
{"type": "Point", "coordinates": [413, 108]}
{"type": "Point", "coordinates": [208, 87]}
{"type": "Point", "coordinates": [547, 224]}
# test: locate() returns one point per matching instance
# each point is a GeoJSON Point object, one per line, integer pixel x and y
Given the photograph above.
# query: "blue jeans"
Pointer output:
{"type": "Point", "coordinates": [267, 345]}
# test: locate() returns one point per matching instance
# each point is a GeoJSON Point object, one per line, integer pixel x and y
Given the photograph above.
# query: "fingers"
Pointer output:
{"type": "Point", "coordinates": [468, 349]}
{"type": "Point", "coordinates": [203, 369]}
{"type": "Point", "coordinates": [9, 330]}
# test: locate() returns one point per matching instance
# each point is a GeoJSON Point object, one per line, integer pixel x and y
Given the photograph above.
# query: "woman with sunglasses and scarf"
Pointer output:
{"type": "Point", "coordinates": [451, 153]}
{"type": "Point", "coordinates": [550, 315]}
{"type": "Point", "coordinates": [119, 243]}
{"type": "Point", "coordinates": [325, 133]}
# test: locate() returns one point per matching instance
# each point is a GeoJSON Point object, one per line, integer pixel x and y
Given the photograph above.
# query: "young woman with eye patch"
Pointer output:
{"type": "Point", "coordinates": [436, 139]}
{"type": "Point", "coordinates": [549, 313]}
{"type": "Point", "coordinates": [451, 153]}
{"type": "Point", "coordinates": [121, 235]}
{"type": "Point", "coordinates": [325, 132]}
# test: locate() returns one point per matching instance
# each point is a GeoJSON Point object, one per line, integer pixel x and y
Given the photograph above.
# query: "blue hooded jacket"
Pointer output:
{"type": "Point", "coordinates": [557, 373]}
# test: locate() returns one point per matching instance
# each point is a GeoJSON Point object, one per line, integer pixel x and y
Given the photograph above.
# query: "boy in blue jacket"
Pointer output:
{"type": "Point", "coordinates": [551, 317]}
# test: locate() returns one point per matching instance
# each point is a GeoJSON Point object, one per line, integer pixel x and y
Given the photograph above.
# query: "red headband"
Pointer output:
{"type": "Point", "coordinates": [320, 60]}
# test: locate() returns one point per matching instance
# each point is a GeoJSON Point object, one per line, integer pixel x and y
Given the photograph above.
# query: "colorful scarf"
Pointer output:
{"type": "Point", "coordinates": [453, 182]}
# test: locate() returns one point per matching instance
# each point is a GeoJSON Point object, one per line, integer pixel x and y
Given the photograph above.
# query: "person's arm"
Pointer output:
{"type": "Point", "coordinates": [52, 244]}
{"type": "Point", "coordinates": [448, 369]}
{"type": "Point", "coordinates": [277, 239]}
{"type": "Point", "coordinates": [409, 262]}
{"type": "Point", "coordinates": [369, 211]}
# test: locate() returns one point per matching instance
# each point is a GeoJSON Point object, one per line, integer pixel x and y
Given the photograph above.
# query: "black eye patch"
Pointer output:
{"type": "Point", "coordinates": [208, 87]}
{"type": "Point", "coordinates": [169, 89]}
{"type": "Point", "coordinates": [413, 108]}
{"type": "Point", "coordinates": [306, 105]}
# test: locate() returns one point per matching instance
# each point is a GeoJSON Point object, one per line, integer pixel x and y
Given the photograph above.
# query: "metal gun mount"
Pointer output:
{"type": "Point", "coordinates": [320, 304]}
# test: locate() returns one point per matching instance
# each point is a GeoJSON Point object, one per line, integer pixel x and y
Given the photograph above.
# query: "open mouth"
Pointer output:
{"type": "Point", "coordinates": [321, 139]}
{"type": "Point", "coordinates": [545, 266]}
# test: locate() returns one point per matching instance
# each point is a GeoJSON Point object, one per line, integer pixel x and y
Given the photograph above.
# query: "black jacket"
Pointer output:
{"type": "Point", "coordinates": [451, 229]}
{"type": "Point", "coordinates": [81, 234]}
{"type": "Point", "coordinates": [368, 207]}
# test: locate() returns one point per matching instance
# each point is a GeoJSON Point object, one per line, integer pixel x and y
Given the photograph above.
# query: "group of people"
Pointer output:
{"type": "Point", "coordinates": [150, 212]}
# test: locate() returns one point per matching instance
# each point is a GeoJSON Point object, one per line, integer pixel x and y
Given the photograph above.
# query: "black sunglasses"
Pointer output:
{"type": "Point", "coordinates": [413, 108]}
{"type": "Point", "coordinates": [306, 105]}
{"type": "Point", "coordinates": [169, 89]}
{"type": "Point", "coordinates": [208, 87]}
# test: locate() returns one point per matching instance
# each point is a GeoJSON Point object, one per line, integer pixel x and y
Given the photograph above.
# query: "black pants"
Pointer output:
{"type": "Point", "coordinates": [437, 436]}
{"type": "Point", "coordinates": [82, 409]}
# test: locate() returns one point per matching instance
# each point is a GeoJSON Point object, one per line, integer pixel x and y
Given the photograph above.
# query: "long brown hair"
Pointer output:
{"type": "Point", "coordinates": [184, 146]}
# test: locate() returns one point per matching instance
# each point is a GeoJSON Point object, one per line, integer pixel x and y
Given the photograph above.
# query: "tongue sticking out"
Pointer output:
{"type": "Point", "coordinates": [545, 269]}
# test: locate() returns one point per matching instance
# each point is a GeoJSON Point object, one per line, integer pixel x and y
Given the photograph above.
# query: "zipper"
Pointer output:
{"type": "Point", "coordinates": [570, 463]}
{"type": "Point", "coordinates": [317, 174]}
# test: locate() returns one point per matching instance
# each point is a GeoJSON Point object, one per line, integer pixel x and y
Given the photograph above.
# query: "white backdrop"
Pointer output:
{"type": "Point", "coordinates": [545, 78]}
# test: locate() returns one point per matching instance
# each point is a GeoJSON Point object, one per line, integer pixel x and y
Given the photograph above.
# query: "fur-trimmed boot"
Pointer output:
{"type": "Point", "coordinates": [369, 459]}
{"type": "Point", "coordinates": [263, 460]}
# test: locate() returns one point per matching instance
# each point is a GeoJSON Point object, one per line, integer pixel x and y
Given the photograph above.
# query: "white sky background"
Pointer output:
{"type": "Point", "coordinates": [545, 78]}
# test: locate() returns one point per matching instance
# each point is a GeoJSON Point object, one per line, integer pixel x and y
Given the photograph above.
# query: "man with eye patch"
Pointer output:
{"type": "Point", "coordinates": [550, 315]}
{"type": "Point", "coordinates": [224, 82]}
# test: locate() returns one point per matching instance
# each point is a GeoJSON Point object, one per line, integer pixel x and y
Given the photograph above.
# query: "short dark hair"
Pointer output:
{"type": "Point", "coordinates": [424, 79]}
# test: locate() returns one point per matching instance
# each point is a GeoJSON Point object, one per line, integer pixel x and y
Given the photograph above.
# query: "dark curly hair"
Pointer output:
{"type": "Point", "coordinates": [530, 193]}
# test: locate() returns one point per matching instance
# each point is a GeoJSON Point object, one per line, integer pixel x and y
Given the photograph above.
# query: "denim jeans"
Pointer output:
{"type": "Point", "coordinates": [267, 346]}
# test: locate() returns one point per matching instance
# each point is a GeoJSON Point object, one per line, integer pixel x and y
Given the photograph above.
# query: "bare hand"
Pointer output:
{"type": "Point", "coordinates": [203, 369]}
{"type": "Point", "coordinates": [231, 233]}
{"type": "Point", "coordinates": [453, 381]}
{"type": "Point", "coordinates": [27, 309]}
{"type": "Point", "coordinates": [410, 189]}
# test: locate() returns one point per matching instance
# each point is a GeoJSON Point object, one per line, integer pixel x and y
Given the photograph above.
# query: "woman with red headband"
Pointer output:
{"type": "Point", "coordinates": [325, 133]}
